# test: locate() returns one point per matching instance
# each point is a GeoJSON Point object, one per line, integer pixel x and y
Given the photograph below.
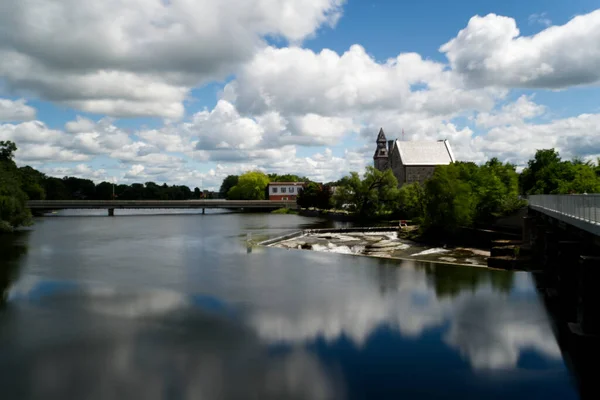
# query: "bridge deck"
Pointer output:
{"type": "Point", "coordinates": [581, 211]}
{"type": "Point", "coordinates": [124, 204]}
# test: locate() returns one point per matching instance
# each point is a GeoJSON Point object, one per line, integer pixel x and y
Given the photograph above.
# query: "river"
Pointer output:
{"type": "Point", "coordinates": [177, 306]}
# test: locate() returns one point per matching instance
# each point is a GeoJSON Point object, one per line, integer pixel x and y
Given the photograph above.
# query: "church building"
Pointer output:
{"type": "Point", "coordinates": [411, 161]}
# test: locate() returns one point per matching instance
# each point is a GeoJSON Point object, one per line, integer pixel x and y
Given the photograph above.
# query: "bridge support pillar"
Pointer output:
{"type": "Point", "coordinates": [566, 278]}
{"type": "Point", "coordinates": [589, 296]}
{"type": "Point", "coordinates": [528, 224]}
{"type": "Point", "coordinates": [111, 212]}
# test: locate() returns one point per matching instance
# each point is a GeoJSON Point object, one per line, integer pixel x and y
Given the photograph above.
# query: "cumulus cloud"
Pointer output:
{"type": "Point", "coordinates": [511, 114]}
{"type": "Point", "coordinates": [15, 110]}
{"type": "Point", "coordinates": [141, 57]}
{"type": "Point", "coordinates": [296, 81]}
{"type": "Point", "coordinates": [491, 52]}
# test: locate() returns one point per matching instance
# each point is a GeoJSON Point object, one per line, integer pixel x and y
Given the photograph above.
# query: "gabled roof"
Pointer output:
{"type": "Point", "coordinates": [381, 136]}
{"type": "Point", "coordinates": [425, 152]}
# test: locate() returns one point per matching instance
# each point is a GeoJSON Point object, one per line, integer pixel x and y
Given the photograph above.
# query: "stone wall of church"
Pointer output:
{"type": "Point", "coordinates": [419, 173]}
{"type": "Point", "coordinates": [397, 167]}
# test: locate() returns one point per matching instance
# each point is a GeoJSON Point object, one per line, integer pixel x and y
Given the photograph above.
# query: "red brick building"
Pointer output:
{"type": "Point", "coordinates": [284, 190]}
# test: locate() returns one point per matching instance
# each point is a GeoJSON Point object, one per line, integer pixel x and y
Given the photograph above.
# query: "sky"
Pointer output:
{"type": "Point", "coordinates": [189, 91]}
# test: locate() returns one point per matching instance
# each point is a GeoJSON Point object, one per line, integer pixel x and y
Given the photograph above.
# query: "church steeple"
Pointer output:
{"type": "Point", "coordinates": [381, 137]}
{"type": "Point", "coordinates": [380, 158]}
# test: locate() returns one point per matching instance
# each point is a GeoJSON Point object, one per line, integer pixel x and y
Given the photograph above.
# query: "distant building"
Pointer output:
{"type": "Point", "coordinates": [411, 161]}
{"type": "Point", "coordinates": [284, 190]}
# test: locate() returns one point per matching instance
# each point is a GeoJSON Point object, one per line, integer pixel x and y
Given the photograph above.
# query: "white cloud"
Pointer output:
{"type": "Point", "coordinates": [575, 136]}
{"type": "Point", "coordinates": [15, 110]}
{"type": "Point", "coordinates": [224, 128]}
{"type": "Point", "coordinates": [295, 81]}
{"type": "Point", "coordinates": [141, 57]}
{"type": "Point", "coordinates": [490, 52]}
{"type": "Point", "coordinates": [511, 114]}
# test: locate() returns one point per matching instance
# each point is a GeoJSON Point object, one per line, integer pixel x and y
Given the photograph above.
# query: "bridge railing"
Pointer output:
{"type": "Point", "coordinates": [569, 207]}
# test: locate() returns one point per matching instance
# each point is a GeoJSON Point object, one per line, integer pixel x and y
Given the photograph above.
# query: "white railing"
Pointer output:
{"type": "Point", "coordinates": [581, 210]}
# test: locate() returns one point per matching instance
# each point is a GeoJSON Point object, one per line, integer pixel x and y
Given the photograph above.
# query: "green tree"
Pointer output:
{"type": "Point", "coordinates": [13, 210]}
{"type": "Point", "coordinates": [251, 186]}
{"type": "Point", "coordinates": [229, 182]}
{"type": "Point", "coordinates": [104, 191]}
{"type": "Point", "coordinates": [7, 150]}
{"type": "Point", "coordinates": [373, 195]}
{"type": "Point", "coordinates": [32, 183]}
{"type": "Point", "coordinates": [55, 189]}
{"type": "Point", "coordinates": [411, 201]}
{"type": "Point", "coordinates": [451, 202]}
{"type": "Point", "coordinates": [287, 178]}
{"type": "Point", "coordinates": [314, 195]}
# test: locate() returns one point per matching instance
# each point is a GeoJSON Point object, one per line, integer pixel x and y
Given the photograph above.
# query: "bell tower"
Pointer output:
{"type": "Point", "coordinates": [381, 159]}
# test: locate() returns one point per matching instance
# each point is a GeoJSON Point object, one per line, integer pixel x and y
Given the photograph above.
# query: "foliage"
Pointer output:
{"type": "Point", "coordinates": [411, 201]}
{"type": "Point", "coordinates": [13, 210]}
{"type": "Point", "coordinates": [368, 197]}
{"type": "Point", "coordinates": [287, 178]}
{"type": "Point", "coordinates": [251, 186]}
{"type": "Point", "coordinates": [546, 173]}
{"type": "Point", "coordinates": [450, 200]}
{"type": "Point", "coordinates": [7, 150]}
{"type": "Point", "coordinates": [465, 194]}
{"type": "Point", "coordinates": [314, 195]}
{"type": "Point", "coordinates": [229, 182]}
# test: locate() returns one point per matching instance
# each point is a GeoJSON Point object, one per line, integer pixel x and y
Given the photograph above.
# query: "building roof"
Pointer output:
{"type": "Point", "coordinates": [286, 183]}
{"type": "Point", "coordinates": [425, 152]}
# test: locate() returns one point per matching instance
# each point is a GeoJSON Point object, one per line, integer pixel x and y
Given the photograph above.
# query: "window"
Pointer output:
{"type": "Point", "coordinates": [282, 190]}
{"type": "Point", "coordinates": [291, 190]}
{"type": "Point", "coordinates": [274, 189]}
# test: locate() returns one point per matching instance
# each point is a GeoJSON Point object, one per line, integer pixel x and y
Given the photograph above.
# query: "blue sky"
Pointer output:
{"type": "Point", "coordinates": [188, 92]}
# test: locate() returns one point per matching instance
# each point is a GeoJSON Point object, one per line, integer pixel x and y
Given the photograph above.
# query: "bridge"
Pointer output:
{"type": "Point", "coordinates": [111, 205]}
{"type": "Point", "coordinates": [578, 210]}
{"type": "Point", "coordinates": [562, 233]}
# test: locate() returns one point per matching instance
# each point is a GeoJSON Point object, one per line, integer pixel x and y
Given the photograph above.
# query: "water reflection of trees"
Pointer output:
{"type": "Point", "coordinates": [450, 281]}
{"type": "Point", "coordinates": [11, 250]}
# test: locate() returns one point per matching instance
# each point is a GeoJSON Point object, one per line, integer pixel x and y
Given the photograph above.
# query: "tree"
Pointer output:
{"type": "Point", "coordinates": [197, 193]}
{"type": "Point", "coordinates": [314, 195]}
{"type": "Point", "coordinates": [7, 150]}
{"type": "Point", "coordinates": [251, 186]}
{"type": "Point", "coordinates": [104, 191]}
{"type": "Point", "coordinates": [55, 189]}
{"type": "Point", "coordinates": [32, 183]}
{"type": "Point", "coordinates": [287, 178]}
{"type": "Point", "coordinates": [229, 182]}
{"type": "Point", "coordinates": [450, 201]}
{"type": "Point", "coordinates": [548, 174]}
{"type": "Point", "coordinates": [371, 196]}
{"type": "Point", "coordinates": [13, 210]}
{"type": "Point", "coordinates": [411, 201]}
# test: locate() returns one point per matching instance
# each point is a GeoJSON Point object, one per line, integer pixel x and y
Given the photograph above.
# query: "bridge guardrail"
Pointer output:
{"type": "Point", "coordinates": [579, 209]}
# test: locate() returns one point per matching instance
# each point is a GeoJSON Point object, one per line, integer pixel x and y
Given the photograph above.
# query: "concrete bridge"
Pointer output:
{"type": "Point", "coordinates": [562, 233]}
{"type": "Point", "coordinates": [111, 205]}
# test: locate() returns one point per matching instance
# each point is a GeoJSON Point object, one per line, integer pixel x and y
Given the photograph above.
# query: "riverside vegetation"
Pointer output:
{"type": "Point", "coordinates": [462, 194]}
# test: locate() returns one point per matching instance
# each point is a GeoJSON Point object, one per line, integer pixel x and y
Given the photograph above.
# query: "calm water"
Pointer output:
{"type": "Point", "coordinates": [178, 307]}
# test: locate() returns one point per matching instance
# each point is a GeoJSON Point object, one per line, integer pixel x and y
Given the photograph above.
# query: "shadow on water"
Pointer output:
{"type": "Point", "coordinates": [12, 249]}
{"type": "Point", "coordinates": [581, 352]}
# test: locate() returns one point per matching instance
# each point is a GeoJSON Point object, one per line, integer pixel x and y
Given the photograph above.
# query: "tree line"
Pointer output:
{"type": "Point", "coordinates": [17, 185]}
{"type": "Point", "coordinates": [457, 195]}
{"type": "Point", "coordinates": [464, 194]}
